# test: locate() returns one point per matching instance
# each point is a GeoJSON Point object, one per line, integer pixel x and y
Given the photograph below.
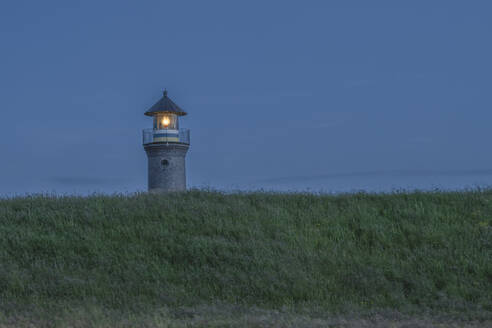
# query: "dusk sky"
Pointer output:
{"type": "Point", "coordinates": [280, 94]}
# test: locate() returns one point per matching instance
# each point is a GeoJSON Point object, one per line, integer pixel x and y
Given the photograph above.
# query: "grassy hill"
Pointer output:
{"type": "Point", "coordinates": [203, 258]}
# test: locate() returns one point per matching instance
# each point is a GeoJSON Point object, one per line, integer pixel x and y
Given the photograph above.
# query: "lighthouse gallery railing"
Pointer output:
{"type": "Point", "coordinates": [153, 136]}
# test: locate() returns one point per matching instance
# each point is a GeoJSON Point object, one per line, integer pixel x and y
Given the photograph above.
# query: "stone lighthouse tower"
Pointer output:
{"type": "Point", "coordinates": [166, 146]}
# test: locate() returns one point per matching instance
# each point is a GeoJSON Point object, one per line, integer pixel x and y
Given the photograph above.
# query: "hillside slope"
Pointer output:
{"type": "Point", "coordinates": [332, 254]}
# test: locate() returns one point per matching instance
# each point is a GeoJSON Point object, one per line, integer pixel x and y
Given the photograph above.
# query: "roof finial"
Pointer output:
{"type": "Point", "coordinates": [165, 93]}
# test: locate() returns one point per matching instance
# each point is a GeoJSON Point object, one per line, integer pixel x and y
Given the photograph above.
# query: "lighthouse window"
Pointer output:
{"type": "Point", "coordinates": [166, 121]}
{"type": "Point", "coordinates": [164, 162]}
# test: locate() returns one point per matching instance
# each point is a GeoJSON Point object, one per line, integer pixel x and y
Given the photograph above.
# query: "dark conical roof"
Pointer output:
{"type": "Point", "coordinates": [165, 105]}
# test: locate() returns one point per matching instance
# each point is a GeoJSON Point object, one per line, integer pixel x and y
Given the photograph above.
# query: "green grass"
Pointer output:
{"type": "Point", "coordinates": [303, 254]}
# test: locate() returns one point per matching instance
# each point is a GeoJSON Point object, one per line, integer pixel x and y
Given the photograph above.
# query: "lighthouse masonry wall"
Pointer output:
{"type": "Point", "coordinates": [166, 166]}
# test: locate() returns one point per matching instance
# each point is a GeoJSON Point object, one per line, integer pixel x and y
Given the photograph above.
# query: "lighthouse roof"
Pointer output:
{"type": "Point", "coordinates": [165, 105]}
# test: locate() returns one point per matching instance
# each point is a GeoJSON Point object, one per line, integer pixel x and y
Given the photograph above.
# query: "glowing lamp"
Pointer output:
{"type": "Point", "coordinates": [166, 121]}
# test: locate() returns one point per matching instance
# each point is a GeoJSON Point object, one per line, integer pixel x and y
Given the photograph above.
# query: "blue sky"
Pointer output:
{"type": "Point", "coordinates": [274, 89]}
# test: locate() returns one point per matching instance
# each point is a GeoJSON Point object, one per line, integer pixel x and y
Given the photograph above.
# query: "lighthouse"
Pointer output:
{"type": "Point", "coordinates": [166, 146]}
